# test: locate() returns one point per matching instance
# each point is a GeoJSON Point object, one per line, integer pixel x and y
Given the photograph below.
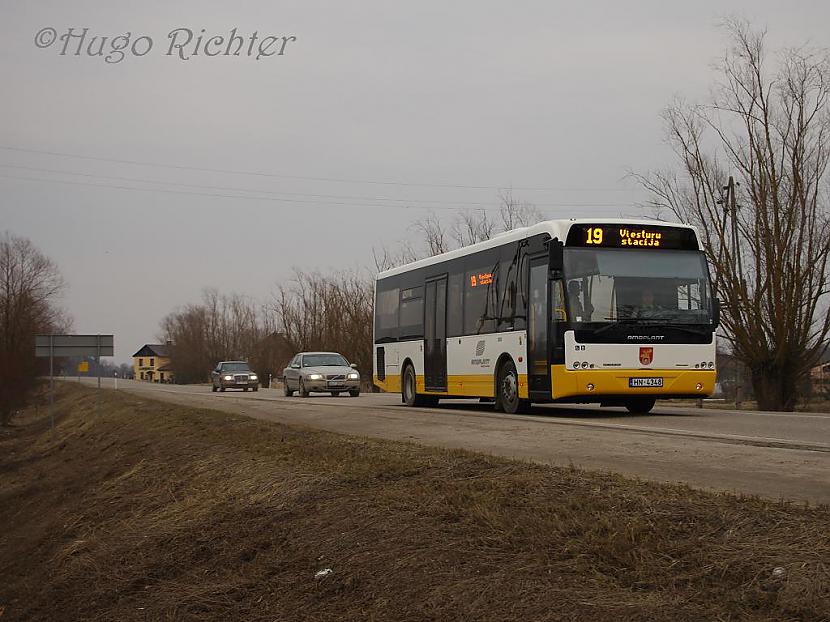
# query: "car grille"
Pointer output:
{"type": "Point", "coordinates": [241, 378]}
{"type": "Point", "coordinates": [336, 377]}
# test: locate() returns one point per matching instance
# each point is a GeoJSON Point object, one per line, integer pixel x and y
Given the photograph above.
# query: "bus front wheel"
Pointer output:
{"type": "Point", "coordinates": [640, 405]}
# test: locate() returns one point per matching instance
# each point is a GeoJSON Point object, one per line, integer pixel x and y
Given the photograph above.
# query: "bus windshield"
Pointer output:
{"type": "Point", "coordinates": [639, 286]}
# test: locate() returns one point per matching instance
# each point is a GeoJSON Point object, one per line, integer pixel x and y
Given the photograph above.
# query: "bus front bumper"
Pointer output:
{"type": "Point", "coordinates": [586, 383]}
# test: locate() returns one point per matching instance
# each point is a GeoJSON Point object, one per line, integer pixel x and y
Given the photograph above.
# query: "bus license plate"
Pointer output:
{"type": "Point", "coordinates": [639, 383]}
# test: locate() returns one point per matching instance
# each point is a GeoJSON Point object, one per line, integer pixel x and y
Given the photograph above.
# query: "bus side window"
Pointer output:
{"type": "Point", "coordinates": [558, 293]}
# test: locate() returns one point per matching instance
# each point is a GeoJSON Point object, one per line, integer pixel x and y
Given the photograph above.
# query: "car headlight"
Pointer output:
{"type": "Point", "coordinates": [354, 376]}
{"type": "Point", "coordinates": [315, 376]}
{"type": "Point", "coordinates": [253, 377]}
{"type": "Point", "coordinates": [228, 378]}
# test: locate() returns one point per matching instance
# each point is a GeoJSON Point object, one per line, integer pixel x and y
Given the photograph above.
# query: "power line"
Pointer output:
{"type": "Point", "coordinates": [231, 196]}
{"type": "Point", "coordinates": [300, 177]}
{"type": "Point", "coordinates": [478, 204]}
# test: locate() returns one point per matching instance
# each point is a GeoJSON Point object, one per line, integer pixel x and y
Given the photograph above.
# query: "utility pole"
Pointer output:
{"type": "Point", "coordinates": [52, 383]}
{"type": "Point", "coordinates": [731, 208]}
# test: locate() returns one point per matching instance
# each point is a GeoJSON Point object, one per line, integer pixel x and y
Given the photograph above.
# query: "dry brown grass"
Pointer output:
{"type": "Point", "coordinates": [151, 511]}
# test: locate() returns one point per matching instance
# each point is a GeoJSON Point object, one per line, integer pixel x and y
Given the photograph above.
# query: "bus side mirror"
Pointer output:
{"type": "Point", "coordinates": [716, 312]}
{"type": "Point", "coordinates": [556, 256]}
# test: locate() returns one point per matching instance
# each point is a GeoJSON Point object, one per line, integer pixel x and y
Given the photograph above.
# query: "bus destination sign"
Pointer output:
{"type": "Point", "coordinates": [632, 236]}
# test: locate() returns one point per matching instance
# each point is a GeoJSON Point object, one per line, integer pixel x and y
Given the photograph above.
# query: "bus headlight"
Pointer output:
{"type": "Point", "coordinates": [584, 364]}
{"type": "Point", "coordinates": [576, 364]}
{"type": "Point", "coordinates": [699, 386]}
{"type": "Point", "coordinates": [590, 386]}
{"type": "Point", "coordinates": [711, 365]}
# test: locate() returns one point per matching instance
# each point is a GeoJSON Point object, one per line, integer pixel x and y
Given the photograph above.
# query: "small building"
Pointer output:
{"type": "Point", "coordinates": [152, 363]}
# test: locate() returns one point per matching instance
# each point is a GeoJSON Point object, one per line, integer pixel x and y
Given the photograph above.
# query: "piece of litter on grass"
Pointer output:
{"type": "Point", "coordinates": [323, 573]}
{"type": "Point", "coordinates": [778, 572]}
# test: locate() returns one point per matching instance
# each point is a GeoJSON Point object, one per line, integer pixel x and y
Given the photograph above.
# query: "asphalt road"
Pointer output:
{"type": "Point", "coordinates": [774, 455]}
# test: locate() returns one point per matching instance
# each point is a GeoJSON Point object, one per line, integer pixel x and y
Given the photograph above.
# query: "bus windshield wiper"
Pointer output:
{"type": "Point", "coordinates": [646, 322]}
{"type": "Point", "coordinates": [617, 322]}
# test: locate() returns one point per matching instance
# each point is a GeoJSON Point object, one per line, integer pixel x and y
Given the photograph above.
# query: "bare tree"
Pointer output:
{"type": "Point", "coordinates": [768, 241]}
{"type": "Point", "coordinates": [433, 233]}
{"type": "Point", "coordinates": [384, 258]}
{"type": "Point", "coordinates": [471, 226]}
{"type": "Point", "coordinates": [515, 213]}
{"type": "Point", "coordinates": [30, 285]}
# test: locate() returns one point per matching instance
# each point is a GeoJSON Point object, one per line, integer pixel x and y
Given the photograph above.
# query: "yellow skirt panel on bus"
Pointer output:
{"type": "Point", "coordinates": [472, 385]}
{"type": "Point", "coordinates": [571, 383]}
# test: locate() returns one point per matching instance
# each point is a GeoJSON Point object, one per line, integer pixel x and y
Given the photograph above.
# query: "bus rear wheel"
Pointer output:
{"type": "Point", "coordinates": [409, 390]}
{"type": "Point", "coordinates": [640, 405]}
{"type": "Point", "coordinates": [507, 390]}
{"type": "Point", "coordinates": [410, 397]}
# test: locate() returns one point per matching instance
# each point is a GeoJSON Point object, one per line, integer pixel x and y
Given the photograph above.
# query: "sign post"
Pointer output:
{"type": "Point", "coordinates": [52, 383]}
{"type": "Point", "coordinates": [71, 345]}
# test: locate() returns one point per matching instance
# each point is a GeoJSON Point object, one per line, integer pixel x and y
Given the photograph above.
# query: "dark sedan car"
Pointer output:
{"type": "Point", "coordinates": [234, 375]}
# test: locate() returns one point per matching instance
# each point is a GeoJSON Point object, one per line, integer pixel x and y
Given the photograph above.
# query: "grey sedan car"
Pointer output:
{"type": "Point", "coordinates": [320, 372]}
{"type": "Point", "coordinates": [233, 375]}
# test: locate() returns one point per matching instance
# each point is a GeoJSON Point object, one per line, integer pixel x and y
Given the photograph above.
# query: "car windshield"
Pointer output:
{"type": "Point", "coordinates": [640, 286]}
{"type": "Point", "coordinates": [235, 367]}
{"type": "Point", "coordinates": [324, 360]}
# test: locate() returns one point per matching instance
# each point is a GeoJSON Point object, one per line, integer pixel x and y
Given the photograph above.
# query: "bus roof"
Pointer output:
{"type": "Point", "coordinates": [555, 228]}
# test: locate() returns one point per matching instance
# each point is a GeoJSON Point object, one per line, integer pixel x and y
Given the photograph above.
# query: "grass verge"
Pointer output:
{"type": "Point", "coordinates": [151, 511]}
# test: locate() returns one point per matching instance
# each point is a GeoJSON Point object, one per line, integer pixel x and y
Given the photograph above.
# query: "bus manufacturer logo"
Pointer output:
{"type": "Point", "coordinates": [646, 356]}
{"type": "Point", "coordinates": [478, 361]}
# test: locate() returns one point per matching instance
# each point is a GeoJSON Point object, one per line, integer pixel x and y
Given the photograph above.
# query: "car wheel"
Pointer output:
{"type": "Point", "coordinates": [213, 388]}
{"type": "Point", "coordinates": [285, 390]}
{"type": "Point", "coordinates": [640, 405]}
{"type": "Point", "coordinates": [335, 393]}
{"type": "Point", "coordinates": [255, 389]}
{"type": "Point", "coordinates": [244, 389]}
{"type": "Point", "coordinates": [303, 392]}
{"type": "Point", "coordinates": [507, 390]}
{"type": "Point", "coordinates": [354, 393]}
{"type": "Point", "coordinates": [222, 389]}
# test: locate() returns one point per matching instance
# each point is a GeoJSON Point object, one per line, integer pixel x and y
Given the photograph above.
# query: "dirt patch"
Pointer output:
{"type": "Point", "coordinates": [150, 511]}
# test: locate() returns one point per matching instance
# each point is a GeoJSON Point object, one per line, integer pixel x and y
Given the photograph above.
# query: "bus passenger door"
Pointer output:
{"type": "Point", "coordinates": [538, 369]}
{"type": "Point", "coordinates": [435, 335]}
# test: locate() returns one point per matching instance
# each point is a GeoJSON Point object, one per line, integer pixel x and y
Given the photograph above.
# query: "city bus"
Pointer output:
{"type": "Point", "coordinates": [608, 311]}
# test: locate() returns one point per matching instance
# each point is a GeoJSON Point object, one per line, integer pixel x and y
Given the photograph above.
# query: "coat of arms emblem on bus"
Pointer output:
{"type": "Point", "coordinates": [646, 356]}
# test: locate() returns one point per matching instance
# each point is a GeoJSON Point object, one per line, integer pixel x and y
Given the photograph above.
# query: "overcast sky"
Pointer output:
{"type": "Point", "coordinates": [375, 112]}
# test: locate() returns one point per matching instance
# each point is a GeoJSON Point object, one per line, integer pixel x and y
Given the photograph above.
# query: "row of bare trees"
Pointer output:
{"type": "Point", "coordinates": [30, 288]}
{"type": "Point", "coordinates": [311, 312]}
{"type": "Point", "coordinates": [219, 327]}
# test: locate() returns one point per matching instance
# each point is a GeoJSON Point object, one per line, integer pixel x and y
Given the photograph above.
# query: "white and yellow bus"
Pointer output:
{"type": "Point", "coordinates": [616, 312]}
